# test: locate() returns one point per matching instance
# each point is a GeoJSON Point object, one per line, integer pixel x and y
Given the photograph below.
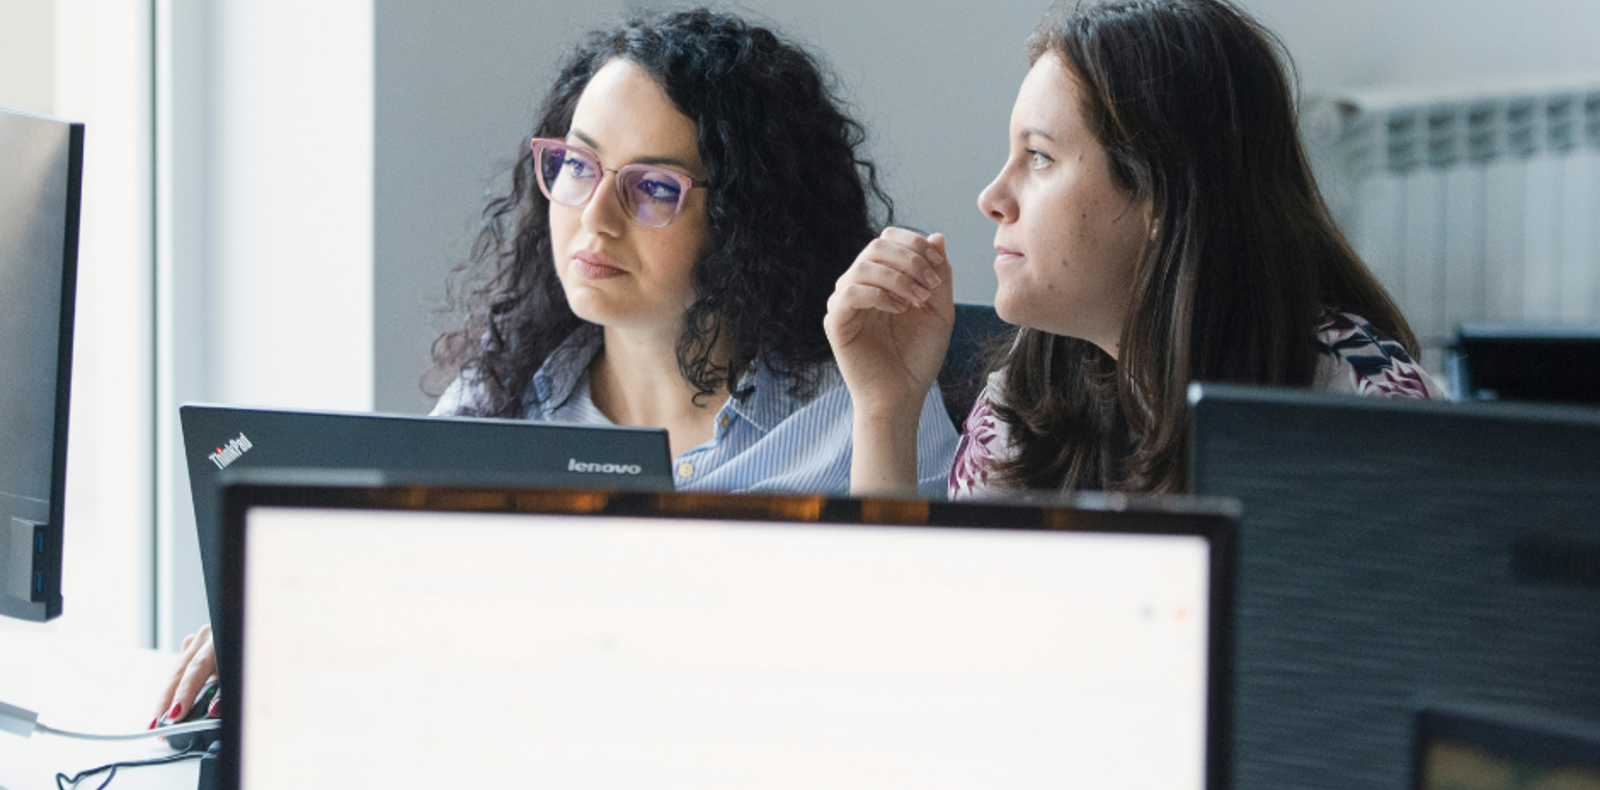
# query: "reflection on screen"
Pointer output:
{"type": "Point", "coordinates": [1460, 766]}
{"type": "Point", "coordinates": [405, 649]}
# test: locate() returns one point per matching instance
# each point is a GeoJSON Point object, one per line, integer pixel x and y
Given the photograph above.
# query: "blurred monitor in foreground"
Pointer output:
{"type": "Point", "coordinates": [433, 636]}
{"type": "Point", "coordinates": [1395, 549]}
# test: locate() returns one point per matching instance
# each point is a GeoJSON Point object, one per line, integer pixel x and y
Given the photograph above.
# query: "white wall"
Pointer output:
{"type": "Point", "coordinates": [934, 81]}
{"type": "Point", "coordinates": [27, 55]}
{"type": "Point", "coordinates": [1353, 43]}
{"type": "Point", "coordinates": [264, 265]}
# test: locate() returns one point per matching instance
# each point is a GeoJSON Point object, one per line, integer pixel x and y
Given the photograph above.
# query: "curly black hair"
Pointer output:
{"type": "Point", "coordinates": [790, 204]}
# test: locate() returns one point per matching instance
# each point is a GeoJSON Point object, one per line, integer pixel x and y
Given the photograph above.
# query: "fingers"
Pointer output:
{"type": "Point", "coordinates": [196, 664]}
{"type": "Point", "coordinates": [851, 297]}
{"type": "Point", "coordinates": [201, 669]}
{"type": "Point", "coordinates": [907, 268]}
{"type": "Point", "coordinates": [185, 653]}
{"type": "Point", "coordinates": [917, 259]}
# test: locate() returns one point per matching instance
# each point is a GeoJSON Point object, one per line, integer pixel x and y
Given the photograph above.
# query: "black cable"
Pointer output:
{"type": "Point", "coordinates": [73, 781]}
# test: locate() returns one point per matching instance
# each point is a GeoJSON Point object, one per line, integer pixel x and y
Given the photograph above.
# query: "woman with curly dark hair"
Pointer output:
{"type": "Point", "coordinates": [1157, 223]}
{"type": "Point", "coordinates": [664, 256]}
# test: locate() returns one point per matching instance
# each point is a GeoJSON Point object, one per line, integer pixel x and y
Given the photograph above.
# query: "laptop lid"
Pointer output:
{"type": "Point", "coordinates": [225, 437]}
{"type": "Point", "coordinates": [431, 636]}
{"type": "Point", "coordinates": [1391, 550]}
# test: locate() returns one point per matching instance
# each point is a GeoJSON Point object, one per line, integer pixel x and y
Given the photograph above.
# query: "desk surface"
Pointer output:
{"type": "Point", "coordinates": [84, 687]}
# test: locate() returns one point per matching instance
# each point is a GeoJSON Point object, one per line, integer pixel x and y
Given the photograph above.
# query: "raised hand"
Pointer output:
{"type": "Point", "coordinates": [889, 322]}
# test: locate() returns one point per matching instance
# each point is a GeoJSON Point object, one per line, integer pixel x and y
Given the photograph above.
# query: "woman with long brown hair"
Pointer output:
{"type": "Point", "coordinates": [1158, 224]}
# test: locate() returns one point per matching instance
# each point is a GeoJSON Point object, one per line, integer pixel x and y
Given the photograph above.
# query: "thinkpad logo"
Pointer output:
{"type": "Point", "coordinates": [574, 465]}
{"type": "Point", "coordinates": [230, 452]}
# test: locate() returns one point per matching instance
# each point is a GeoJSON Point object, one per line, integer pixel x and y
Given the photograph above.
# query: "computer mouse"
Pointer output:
{"type": "Point", "coordinates": [200, 710]}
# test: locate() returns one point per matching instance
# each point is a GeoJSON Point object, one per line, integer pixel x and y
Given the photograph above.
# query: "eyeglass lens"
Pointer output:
{"type": "Point", "coordinates": [651, 195]}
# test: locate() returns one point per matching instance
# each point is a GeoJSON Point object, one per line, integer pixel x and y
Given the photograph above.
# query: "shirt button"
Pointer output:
{"type": "Point", "coordinates": [685, 469]}
{"type": "Point", "coordinates": [725, 420]}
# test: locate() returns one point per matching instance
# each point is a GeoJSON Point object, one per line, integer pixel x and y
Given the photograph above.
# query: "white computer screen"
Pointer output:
{"type": "Point", "coordinates": [430, 649]}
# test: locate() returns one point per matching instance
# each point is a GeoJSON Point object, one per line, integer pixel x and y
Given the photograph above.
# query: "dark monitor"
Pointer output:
{"type": "Point", "coordinates": [1527, 362]}
{"type": "Point", "coordinates": [426, 636]}
{"type": "Point", "coordinates": [1393, 550]}
{"type": "Point", "coordinates": [41, 173]}
{"type": "Point", "coordinates": [218, 438]}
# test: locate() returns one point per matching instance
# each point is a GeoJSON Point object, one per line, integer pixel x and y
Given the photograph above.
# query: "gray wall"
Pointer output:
{"type": "Point", "coordinates": [456, 86]}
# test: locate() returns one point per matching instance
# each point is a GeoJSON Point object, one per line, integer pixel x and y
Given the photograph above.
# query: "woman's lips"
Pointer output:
{"type": "Point", "coordinates": [594, 266]}
{"type": "Point", "coordinates": [1003, 255]}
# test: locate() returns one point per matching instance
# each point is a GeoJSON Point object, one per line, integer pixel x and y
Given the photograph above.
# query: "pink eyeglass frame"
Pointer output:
{"type": "Point", "coordinates": [685, 181]}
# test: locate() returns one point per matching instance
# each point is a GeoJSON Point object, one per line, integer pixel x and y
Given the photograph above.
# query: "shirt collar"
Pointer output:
{"type": "Point", "coordinates": [555, 380]}
{"type": "Point", "coordinates": [770, 403]}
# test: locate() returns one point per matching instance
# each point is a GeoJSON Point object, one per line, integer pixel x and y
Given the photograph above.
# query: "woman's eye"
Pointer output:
{"type": "Point", "coordinates": [658, 190]}
{"type": "Point", "coordinates": [1038, 160]}
{"type": "Point", "coordinates": [576, 167]}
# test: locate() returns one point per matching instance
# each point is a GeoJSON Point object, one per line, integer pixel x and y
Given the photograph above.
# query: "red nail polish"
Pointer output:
{"type": "Point", "coordinates": [153, 723]}
{"type": "Point", "coordinates": [215, 706]}
{"type": "Point", "coordinates": [177, 710]}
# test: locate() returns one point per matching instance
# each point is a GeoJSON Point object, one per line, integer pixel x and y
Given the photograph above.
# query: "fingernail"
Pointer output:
{"type": "Point", "coordinates": [931, 280]}
{"type": "Point", "coordinates": [920, 292]}
{"type": "Point", "coordinates": [153, 723]}
{"type": "Point", "coordinates": [933, 255]}
{"type": "Point", "coordinates": [215, 706]}
{"type": "Point", "coordinates": [177, 710]}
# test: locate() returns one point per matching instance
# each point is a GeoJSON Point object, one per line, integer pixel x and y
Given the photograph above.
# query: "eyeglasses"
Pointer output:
{"type": "Point", "coordinates": [651, 195]}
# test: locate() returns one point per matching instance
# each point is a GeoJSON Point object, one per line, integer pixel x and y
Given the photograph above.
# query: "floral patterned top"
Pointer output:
{"type": "Point", "coordinates": [1356, 359]}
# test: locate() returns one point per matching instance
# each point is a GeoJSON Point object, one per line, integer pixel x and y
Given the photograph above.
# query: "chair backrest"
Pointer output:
{"type": "Point", "coordinates": [978, 332]}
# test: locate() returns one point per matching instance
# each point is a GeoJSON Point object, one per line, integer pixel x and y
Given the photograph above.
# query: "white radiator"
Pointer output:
{"type": "Point", "coordinates": [1475, 203]}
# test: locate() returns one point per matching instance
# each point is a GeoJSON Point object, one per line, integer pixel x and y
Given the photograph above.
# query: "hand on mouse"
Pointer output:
{"type": "Point", "coordinates": [197, 665]}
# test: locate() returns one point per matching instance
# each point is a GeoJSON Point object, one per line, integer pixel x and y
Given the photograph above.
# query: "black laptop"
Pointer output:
{"type": "Point", "coordinates": [216, 438]}
{"type": "Point", "coordinates": [591, 639]}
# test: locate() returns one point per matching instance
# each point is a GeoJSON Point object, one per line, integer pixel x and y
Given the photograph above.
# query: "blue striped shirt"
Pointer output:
{"type": "Point", "coordinates": [768, 442]}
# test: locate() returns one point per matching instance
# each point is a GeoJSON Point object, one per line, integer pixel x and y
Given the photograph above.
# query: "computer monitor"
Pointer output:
{"type": "Point", "coordinates": [1527, 362]}
{"type": "Point", "coordinates": [424, 636]}
{"type": "Point", "coordinates": [220, 438]}
{"type": "Point", "coordinates": [41, 173]}
{"type": "Point", "coordinates": [1391, 551]}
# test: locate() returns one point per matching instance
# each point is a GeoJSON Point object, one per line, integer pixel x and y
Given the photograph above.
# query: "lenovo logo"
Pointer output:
{"type": "Point", "coordinates": [574, 465]}
{"type": "Point", "coordinates": [230, 452]}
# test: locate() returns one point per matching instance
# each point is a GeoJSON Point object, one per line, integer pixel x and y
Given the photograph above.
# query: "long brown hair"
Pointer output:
{"type": "Point", "coordinates": [1194, 107]}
